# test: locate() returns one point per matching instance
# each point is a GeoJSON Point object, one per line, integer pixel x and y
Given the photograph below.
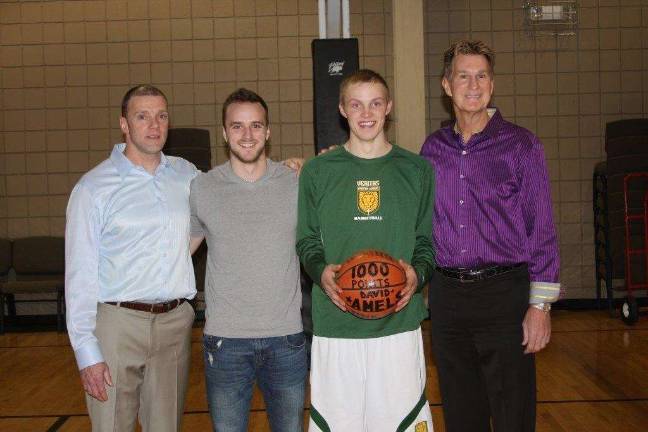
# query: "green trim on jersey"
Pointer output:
{"type": "Point", "coordinates": [347, 204]}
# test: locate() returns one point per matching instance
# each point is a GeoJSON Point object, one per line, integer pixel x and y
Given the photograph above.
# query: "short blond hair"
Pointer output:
{"type": "Point", "coordinates": [362, 76]}
{"type": "Point", "coordinates": [467, 47]}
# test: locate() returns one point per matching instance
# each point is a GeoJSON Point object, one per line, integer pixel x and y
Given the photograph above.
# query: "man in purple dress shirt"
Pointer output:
{"type": "Point", "coordinates": [497, 254]}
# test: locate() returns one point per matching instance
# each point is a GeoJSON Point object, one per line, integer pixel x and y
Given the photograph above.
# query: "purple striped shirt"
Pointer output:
{"type": "Point", "coordinates": [493, 202]}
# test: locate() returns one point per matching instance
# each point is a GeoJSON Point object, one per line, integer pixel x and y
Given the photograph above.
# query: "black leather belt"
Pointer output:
{"type": "Point", "coordinates": [148, 307]}
{"type": "Point", "coordinates": [474, 275]}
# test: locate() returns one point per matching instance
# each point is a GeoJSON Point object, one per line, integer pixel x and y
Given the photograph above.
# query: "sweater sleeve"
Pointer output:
{"type": "Point", "coordinates": [197, 228]}
{"type": "Point", "coordinates": [309, 238]}
{"type": "Point", "coordinates": [423, 256]}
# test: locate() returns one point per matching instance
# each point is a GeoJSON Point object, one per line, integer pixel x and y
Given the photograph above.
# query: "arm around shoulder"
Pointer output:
{"type": "Point", "coordinates": [309, 240]}
{"type": "Point", "coordinates": [423, 256]}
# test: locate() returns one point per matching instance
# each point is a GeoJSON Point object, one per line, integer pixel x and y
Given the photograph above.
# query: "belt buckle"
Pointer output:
{"type": "Point", "coordinates": [463, 277]}
{"type": "Point", "coordinates": [166, 307]}
{"type": "Point", "coordinates": [473, 275]}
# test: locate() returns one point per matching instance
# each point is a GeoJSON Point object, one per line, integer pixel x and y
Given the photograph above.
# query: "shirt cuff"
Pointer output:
{"type": "Point", "coordinates": [421, 280]}
{"type": "Point", "coordinates": [88, 355]}
{"type": "Point", "coordinates": [544, 292]}
{"type": "Point", "coordinates": [317, 271]}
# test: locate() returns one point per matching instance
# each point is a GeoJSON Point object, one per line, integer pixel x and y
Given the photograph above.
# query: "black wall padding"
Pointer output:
{"type": "Point", "coordinates": [333, 60]}
{"type": "Point", "coordinates": [191, 144]}
{"type": "Point", "coordinates": [626, 145]}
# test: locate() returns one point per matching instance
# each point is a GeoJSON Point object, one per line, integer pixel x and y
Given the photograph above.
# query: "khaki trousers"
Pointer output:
{"type": "Point", "coordinates": [148, 356]}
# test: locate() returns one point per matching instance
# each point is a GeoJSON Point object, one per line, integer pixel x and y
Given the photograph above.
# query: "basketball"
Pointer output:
{"type": "Point", "coordinates": [371, 283]}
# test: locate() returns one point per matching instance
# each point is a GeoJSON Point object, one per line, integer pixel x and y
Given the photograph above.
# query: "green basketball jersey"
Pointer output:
{"type": "Point", "coordinates": [347, 204]}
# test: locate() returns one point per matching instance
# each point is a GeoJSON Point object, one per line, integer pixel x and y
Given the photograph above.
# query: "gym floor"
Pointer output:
{"type": "Point", "coordinates": [592, 377]}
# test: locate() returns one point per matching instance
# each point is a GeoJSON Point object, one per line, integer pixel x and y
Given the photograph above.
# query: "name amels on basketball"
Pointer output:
{"type": "Point", "coordinates": [373, 306]}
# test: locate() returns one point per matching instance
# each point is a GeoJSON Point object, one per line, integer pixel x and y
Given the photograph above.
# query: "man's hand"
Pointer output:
{"type": "Point", "coordinates": [331, 287]}
{"type": "Point", "coordinates": [324, 150]}
{"type": "Point", "coordinates": [411, 282]}
{"type": "Point", "coordinates": [537, 330]}
{"type": "Point", "coordinates": [94, 379]}
{"type": "Point", "coordinates": [194, 243]}
{"type": "Point", "coordinates": [295, 164]}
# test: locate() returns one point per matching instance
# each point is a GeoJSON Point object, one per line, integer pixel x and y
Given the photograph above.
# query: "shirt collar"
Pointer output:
{"type": "Point", "coordinates": [490, 130]}
{"type": "Point", "coordinates": [124, 165]}
{"type": "Point", "coordinates": [494, 124]}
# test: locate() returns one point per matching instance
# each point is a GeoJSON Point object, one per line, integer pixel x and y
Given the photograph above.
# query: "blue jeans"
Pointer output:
{"type": "Point", "coordinates": [278, 364]}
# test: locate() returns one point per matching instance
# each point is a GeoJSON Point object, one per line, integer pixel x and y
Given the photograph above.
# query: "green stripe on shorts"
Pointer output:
{"type": "Point", "coordinates": [319, 420]}
{"type": "Point", "coordinates": [409, 419]}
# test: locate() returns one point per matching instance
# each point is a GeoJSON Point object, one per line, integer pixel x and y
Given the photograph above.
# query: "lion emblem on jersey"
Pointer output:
{"type": "Point", "coordinates": [368, 196]}
{"type": "Point", "coordinates": [368, 202]}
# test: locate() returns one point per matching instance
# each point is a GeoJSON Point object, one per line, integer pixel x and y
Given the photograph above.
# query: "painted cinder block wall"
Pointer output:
{"type": "Point", "coordinates": [65, 65]}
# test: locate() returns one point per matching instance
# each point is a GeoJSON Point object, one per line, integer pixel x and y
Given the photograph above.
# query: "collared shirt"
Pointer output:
{"type": "Point", "coordinates": [493, 203]}
{"type": "Point", "coordinates": [126, 239]}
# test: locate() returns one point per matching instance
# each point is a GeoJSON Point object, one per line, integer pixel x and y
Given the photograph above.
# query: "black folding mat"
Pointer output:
{"type": "Point", "coordinates": [333, 60]}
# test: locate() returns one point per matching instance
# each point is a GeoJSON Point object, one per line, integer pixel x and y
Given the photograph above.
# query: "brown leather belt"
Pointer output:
{"type": "Point", "coordinates": [155, 308]}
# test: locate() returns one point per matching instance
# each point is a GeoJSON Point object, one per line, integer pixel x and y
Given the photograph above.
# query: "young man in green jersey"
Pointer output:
{"type": "Point", "coordinates": [366, 374]}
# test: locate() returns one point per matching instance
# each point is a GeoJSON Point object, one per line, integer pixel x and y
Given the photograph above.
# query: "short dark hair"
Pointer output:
{"type": "Point", "coordinates": [467, 47]}
{"type": "Point", "coordinates": [362, 76]}
{"type": "Point", "coordinates": [243, 95]}
{"type": "Point", "coordinates": [140, 90]}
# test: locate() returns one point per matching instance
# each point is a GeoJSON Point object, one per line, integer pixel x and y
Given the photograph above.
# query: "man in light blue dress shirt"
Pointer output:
{"type": "Point", "coordinates": [129, 275]}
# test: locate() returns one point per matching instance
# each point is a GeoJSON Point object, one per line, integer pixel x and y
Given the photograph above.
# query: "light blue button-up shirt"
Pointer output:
{"type": "Point", "coordinates": [126, 239]}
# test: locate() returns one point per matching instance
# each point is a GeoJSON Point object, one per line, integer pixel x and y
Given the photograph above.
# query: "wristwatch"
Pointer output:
{"type": "Point", "coordinates": [544, 307]}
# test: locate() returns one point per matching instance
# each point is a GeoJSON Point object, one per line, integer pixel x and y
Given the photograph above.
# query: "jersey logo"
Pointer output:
{"type": "Point", "coordinates": [368, 196]}
{"type": "Point", "coordinates": [421, 427]}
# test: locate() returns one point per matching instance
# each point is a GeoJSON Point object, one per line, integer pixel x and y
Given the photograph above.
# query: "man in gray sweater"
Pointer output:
{"type": "Point", "coordinates": [247, 210]}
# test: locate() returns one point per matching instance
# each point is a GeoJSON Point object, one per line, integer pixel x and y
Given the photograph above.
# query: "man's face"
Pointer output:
{"type": "Point", "coordinates": [365, 106]}
{"type": "Point", "coordinates": [146, 124]}
{"type": "Point", "coordinates": [471, 84]}
{"type": "Point", "coordinates": [246, 131]}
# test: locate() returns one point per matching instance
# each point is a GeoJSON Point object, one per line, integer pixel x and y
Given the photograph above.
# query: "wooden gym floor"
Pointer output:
{"type": "Point", "coordinates": [592, 377]}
